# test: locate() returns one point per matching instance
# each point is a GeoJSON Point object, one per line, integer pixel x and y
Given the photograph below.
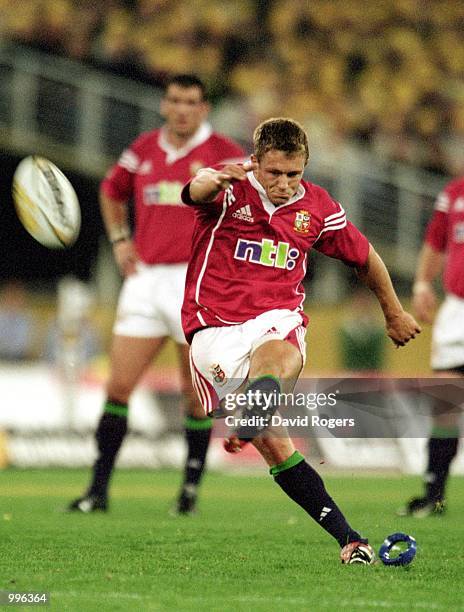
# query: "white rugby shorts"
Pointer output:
{"type": "Point", "coordinates": [220, 356]}
{"type": "Point", "coordinates": [448, 335]}
{"type": "Point", "coordinates": [150, 302]}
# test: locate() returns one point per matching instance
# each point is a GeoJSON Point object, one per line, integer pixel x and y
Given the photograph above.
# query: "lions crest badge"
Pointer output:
{"type": "Point", "coordinates": [302, 222]}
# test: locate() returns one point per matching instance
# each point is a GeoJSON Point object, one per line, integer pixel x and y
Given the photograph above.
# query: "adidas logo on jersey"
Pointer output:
{"type": "Point", "coordinates": [244, 214]}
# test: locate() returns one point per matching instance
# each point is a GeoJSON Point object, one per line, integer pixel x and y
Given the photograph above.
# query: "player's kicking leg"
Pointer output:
{"type": "Point", "coordinates": [274, 367]}
{"type": "Point", "coordinates": [198, 428]}
{"type": "Point", "coordinates": [305, 487]}
{"type": "Point", "coordinates": [129, 358]}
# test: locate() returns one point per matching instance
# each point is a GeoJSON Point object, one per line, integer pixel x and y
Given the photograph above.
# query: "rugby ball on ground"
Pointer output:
{"type": "Point", "coordinates": [46, 202]}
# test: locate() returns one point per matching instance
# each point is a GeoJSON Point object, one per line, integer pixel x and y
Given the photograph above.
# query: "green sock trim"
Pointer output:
{"type": "Point", "coordinates": [116, 409]}
{"type": "Point", "coordinates": [198, 424]}
{"type": "Point", "coordinates": [263, 377]}
{"type": "Point", "coordinates": [445, 432]}
{"type": "Point", "coordinates": [293, 460]}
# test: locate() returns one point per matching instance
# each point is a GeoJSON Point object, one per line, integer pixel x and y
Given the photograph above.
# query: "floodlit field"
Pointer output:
{"type": "Point", "coordinates": [249, 548]}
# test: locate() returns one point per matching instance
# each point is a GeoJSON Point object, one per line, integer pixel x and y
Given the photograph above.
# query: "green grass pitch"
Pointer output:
{"type": "Point", "coordinates": [249, 548]}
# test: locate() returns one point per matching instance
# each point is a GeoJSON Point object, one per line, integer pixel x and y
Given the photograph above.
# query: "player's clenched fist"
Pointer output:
{"type": "Point", "coordinates": [402, 327]}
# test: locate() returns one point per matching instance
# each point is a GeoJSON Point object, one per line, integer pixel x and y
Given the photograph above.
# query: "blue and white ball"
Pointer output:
{"type": "Point", "coordinates": [405, 557]}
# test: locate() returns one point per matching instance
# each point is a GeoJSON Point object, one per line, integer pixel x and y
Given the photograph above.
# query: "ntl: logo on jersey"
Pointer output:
{"type": "Point", "coordinates": [267, 253]}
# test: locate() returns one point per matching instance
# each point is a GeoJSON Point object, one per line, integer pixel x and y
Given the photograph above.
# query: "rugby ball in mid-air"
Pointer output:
{"type": "Point", "coordinates": [46, 202]}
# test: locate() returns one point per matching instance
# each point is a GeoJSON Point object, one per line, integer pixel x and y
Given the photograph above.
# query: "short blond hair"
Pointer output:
{"type": "Point", "coordinates": [280, 134]}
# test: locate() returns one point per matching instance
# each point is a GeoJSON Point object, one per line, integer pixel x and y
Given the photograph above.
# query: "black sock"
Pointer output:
{"type": "Point", "coordinates": [110, 434]}
{"type": "Point", "coordinates": [441, 451]}
{"type": "Point", "coordinates": [304, 485]}
{"type": "Point", "coordinates": [197, 435]}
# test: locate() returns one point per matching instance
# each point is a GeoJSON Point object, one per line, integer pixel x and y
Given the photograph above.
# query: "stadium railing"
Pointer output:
{"type": "Point", "coordinates": [85, 117]}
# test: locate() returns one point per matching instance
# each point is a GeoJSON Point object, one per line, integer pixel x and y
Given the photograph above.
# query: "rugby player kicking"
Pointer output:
{"type": "Point", "coordinates": [243, 305]}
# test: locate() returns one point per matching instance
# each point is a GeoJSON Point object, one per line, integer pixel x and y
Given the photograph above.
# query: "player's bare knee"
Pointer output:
{"type": "Point", "coordinates": [277, 358]}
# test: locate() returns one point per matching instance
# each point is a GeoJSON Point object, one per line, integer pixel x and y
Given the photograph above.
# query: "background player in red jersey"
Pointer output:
{"type": "Point", "coordinates": [242, 309]}
{"type": "Point", "coordinates": [152, 171]}
{"type": "Point", "coordinates": [443, 250]}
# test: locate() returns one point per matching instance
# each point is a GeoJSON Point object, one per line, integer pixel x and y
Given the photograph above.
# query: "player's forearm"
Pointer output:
{"type": "Point", "coordinates": [115, 219]}
{"type": "Point", "coordinates": [208, 183]}
{"type": "Point", "coordinates": [374, 275]}
{"type": "Point", "coordinates": [429, 265]}
{"type": "Point", "coordinates": [204, 187]}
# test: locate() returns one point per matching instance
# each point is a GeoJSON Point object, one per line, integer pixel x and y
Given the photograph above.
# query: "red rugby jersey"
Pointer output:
{"type": "Point", "coordinates": [249, 256]}
{"type": "Point", "coordinates": [153, 173]}
{"type": "Point", "coordinates": [445, 232]}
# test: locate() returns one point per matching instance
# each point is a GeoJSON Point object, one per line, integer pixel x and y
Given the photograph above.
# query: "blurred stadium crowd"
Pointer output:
{"type": "Point", "coordinates": [388, 74]}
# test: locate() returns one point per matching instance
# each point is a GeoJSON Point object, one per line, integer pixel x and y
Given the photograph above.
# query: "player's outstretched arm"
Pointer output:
{"type": "Point", "coordinates": [429, 266]}
{"type": "Point", "coordinates": [401, 326]}
{"type": "Point", "coordinates": [209, 182]}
